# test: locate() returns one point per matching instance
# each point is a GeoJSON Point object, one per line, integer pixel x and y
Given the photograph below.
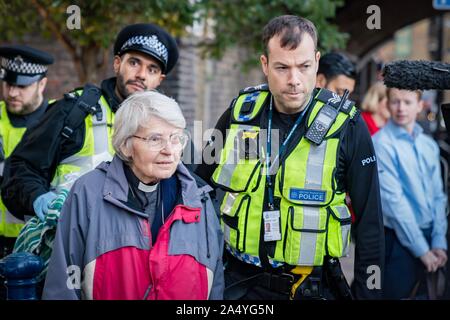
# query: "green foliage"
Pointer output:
{"type": "Point", "coordinates": [233, 22]}
{"type": "Point", "coordinates": [240, 22]}
{"type": "Point", "coordinates": [100, 19]}
{"type": "Point", "coordinates": [236, 22]}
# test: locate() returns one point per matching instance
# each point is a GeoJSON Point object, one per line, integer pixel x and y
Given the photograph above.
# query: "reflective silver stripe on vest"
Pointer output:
{"type": "Point", "coordinates": [314, 168]}
{"type": "Point", "coordinates": [101, 140]}
{"type": "Point", "coordinates": [77, 161]}
{"type": "Point", "coordinates": [100, 131]}
{"type": "Point", "coordinates": [308, 239]}
{"type": "Point", "coordinates": [232, 159]}
{"type": "Point", "coordinates": [2, 167]}
{"type": "Point", "coordinates": [345, 229]}
{"type": "Point", "coordinates": [226, 233]}
{"type": "Point", "coordinates": [311, 220]}
{"type": "Point", "coordinates": [230, 199]}
{"type": "Point", "coordinates": [10, 219]}
{"type": "Point", "coordinates": [226, 172]}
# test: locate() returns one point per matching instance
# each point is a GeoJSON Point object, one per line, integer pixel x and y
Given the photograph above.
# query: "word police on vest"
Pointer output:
{"type": "Point", "coordinates": [368, 160]}
{"type": "Point", "coordinates": [307, 195]}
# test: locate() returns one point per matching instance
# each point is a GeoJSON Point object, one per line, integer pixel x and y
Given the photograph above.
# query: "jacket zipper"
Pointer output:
{"type": "Point", "coordinates": [150, 285]}
{"type": "Point", "coordinates": [149, 289]}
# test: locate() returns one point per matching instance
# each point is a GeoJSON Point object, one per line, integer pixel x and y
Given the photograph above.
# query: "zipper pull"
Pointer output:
{"type": "Point", "coordinates": [147, 292]}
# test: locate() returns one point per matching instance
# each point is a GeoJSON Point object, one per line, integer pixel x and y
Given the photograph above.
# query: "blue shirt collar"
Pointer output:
{"type": "Point", "coordinates": [401, 132]}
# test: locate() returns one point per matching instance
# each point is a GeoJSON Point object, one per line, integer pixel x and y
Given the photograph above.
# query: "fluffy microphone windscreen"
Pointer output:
{"type": "Point", "coordinates": [417, 75]}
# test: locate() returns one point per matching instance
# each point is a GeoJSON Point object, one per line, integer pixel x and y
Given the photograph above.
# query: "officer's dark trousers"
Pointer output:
{"type": "Point", "coordinates": [241, 283]}
{"type": "Point", "coordinates": [402, 270]}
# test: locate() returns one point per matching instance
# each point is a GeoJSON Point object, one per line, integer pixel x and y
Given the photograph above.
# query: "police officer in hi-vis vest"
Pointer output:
{"type": "Point", "coordinates": [75, 133]}
{"type": "Point", "coordinates": [285, 154]}
{"type": "Point", "coordinates": [23, 73]}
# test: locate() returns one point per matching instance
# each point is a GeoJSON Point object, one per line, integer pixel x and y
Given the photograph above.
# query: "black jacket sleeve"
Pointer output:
{"type": "Point", "coordinates": [360, 176]}
{"type": "Point", "coordinates": [31, 167]}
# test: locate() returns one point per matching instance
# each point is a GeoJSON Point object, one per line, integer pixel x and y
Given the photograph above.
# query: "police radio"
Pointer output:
{"type": "Point", "coordinates": [324, 120]}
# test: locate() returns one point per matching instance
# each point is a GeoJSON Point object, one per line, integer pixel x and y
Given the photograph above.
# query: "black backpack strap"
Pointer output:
{"type": "Point", "coordinates": [86, 104]}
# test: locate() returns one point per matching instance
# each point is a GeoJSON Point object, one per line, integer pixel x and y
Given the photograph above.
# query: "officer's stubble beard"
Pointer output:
{"type": "Point", "coordinates": [33, 105]}
{"type": "Point", "coordinates": [121, 87]}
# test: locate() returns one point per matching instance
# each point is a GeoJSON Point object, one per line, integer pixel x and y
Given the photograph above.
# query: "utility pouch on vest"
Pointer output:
{"type": "Point", "coordinates": [234, 211]}
{"type": "Point", "coordinates": [339, 225]}
{"type": "Point", "coordinates": [302, 226]}
{"type": "Point", "coordinates": [86, 104]}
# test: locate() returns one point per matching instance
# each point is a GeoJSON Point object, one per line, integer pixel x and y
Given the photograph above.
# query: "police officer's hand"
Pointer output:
{"type": "Point", "coordinates": [441, 254]}
{"type": "Point", "coordinates": [41, 204]}
{"type": "Point", "coordinates": [430, 260]}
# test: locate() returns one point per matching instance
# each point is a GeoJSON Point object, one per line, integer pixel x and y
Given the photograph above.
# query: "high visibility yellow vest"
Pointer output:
{"type": "Point", "coordinates": [314, 219]}
{"type": "Point", "coordinates": [10, 137]}
{"type": "Point", "coordinates": [97, 147]}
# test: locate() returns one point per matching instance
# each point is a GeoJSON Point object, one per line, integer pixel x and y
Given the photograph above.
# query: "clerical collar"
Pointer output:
{"type": "Point", "coordinates": [136, 183]}
{"type": "Point", "coordinates": [147, 187]}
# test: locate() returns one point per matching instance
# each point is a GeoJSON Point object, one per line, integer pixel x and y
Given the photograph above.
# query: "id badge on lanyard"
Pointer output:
{"type": "Point", "coordinates": [272, 225]}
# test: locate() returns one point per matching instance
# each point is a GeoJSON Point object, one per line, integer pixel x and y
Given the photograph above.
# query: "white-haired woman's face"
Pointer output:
{"type": "Point", "coordinates": [156, 151]}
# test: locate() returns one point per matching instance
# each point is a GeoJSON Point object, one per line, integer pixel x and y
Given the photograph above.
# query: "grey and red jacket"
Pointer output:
{"type": "Point", "coordinates": [103, 248]}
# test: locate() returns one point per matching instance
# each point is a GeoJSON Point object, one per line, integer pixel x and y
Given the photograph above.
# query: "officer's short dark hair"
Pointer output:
{"type": "Point", "coordinates": [291, 29]}
{"type": "Point", "coordinates": [334, 64]}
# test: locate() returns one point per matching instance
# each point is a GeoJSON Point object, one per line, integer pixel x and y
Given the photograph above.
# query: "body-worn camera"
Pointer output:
{"type": "Point", "coordinates": [247, 143]}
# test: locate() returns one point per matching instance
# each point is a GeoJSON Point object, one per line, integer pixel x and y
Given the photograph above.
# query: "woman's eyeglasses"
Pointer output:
{"type": "Point", "coordinates": [157, 142]}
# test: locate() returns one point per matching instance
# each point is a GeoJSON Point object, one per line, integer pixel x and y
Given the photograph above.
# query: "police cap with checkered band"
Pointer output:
{"type": "Point", "coordinates": [149, 39]}
{"type": "Point", "coordinates": [22, 65]}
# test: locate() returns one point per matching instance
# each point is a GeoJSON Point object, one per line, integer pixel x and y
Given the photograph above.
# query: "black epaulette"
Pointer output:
{"type": "Point", "coordinates": [73, 95]}
{"type": "Point", "coordinates": [260, 87]}
{"type": "Point", "coordinates": [333, 99]}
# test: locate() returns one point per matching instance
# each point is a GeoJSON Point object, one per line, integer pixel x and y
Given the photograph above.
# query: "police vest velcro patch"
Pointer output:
{"type": "Point", "coordinates": [307, 195]}
{"type": "Point", "coordinates": [333, 99]}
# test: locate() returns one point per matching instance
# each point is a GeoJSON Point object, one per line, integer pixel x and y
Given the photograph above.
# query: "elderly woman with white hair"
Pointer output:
{"type": "Point", "coordinates": [139, 227]}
